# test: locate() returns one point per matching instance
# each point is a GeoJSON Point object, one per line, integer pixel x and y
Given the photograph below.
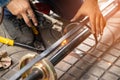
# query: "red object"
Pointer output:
{"type": "Point", "coordinates": [42, 7]}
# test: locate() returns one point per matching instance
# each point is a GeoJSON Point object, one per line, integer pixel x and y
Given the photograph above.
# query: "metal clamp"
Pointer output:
{"type": "Point", "coordinates": [44, 67]}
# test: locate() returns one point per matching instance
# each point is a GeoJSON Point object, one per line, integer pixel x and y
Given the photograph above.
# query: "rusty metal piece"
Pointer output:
{"type": "Point", "coordinates": [44, 66]}
{"type": "Point", "coordinates": [5, 60]}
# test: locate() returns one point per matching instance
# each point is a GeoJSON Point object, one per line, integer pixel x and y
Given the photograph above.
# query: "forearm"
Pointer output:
{"type": "Point", "coordinates": [4, 2]}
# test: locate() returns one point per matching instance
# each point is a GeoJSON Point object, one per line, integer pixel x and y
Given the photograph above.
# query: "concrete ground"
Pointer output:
{"type": "Point", "coordinates": [102, 63]}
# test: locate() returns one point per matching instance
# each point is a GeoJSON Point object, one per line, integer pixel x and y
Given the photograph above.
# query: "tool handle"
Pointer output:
{"type": "Point", "coordinates": [6, 41]}
{"type": "Point", "coordinates": [35, 31]}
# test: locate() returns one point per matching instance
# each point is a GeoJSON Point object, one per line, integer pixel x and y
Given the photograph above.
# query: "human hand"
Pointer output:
{"type": "Point", "coordinates": [91, 9]}
{"type": "Point", "coordinates": [22, 9]}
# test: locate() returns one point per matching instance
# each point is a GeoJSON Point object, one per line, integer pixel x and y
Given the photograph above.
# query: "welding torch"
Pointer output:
{"type": "Point", "coordinates": [11, 42]}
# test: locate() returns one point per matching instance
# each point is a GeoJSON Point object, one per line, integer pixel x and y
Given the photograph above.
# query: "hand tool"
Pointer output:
{"type": "Point", "coordinates": [11, 42]}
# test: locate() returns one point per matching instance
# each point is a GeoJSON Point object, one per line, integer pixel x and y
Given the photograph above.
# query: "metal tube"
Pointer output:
{"type": "Point", "coordinates": [69, 47]}
{"type": "Point", "coordinates": [35, 74]}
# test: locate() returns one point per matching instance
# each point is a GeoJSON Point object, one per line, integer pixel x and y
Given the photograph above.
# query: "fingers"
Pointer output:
{"type": "Point", "coordinates": [98, 27]}
{"type": "Point", "coordinates": [22, 9]}
{"type": "Point", "coordinates": [97, 24]}
{"type": "Point", "coordinates": [102, 24]}
{"type": "Point", "coordinates": [93, 24]}
{"type": "Point", "coordinates": [32, 16]}
{"type": "Point", "coordinates": [26, 19]}
{"type": "Point", "coordinates": [29, 16]}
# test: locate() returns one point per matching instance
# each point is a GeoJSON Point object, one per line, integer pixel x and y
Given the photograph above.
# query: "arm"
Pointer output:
{"type": "Point", "coordinates": [91, 9]}
{"type": "Point", "coordinates": [22, 9]}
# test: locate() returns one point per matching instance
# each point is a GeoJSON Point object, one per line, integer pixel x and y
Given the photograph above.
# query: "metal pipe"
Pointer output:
{"type": "Point", "coordinates": [69, 47]}
{"type": "Point", "coordinates": [36, 74]}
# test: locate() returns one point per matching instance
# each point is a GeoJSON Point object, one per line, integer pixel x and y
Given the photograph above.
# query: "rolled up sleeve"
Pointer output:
{"type": "Point", "coordinates": [4, 3]}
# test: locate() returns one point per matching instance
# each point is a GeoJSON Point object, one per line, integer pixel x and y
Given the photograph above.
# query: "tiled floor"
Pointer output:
{"type": "Point", "coordinates": [102, 63]}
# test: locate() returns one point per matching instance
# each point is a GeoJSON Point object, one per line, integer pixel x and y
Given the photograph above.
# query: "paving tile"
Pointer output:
{"type": "Point", "coordinates": [96, 71]}
{"type": "Point", "coordinates": [91, 37]}
{"type": "Point", "coordinates": [14, 62]}
{"type": "Point", "coordinates": [101, 47]}
{"type": "Point", "coordinates": [96, 53]}
{"type": "Point", "coordinates": [70, 59]}
{"type": "Point", "coordinates": [109, 58]}
{"type": "Point", "coordinates": [109, 76]}
{"type": "Point", "coordinates": [59, 73]}
{"type": "Point", "coordinates": [115, 70]}
{"type": "Point", "coordinates": [3, 72]}
{"type": "Point", "coordinates": [118, 62]}
{"type": "Point", "coordinates": [4, 47]}
{"type": "Point", "coordinates": [63, 66]}
{"type": "Point", "coordinates": [74, 71]}
{"type": "Point", "coordinates": [83, 64]}
{"type": "Point", "coordinates": [78, 56]}
{"type": "Point", "coordinates": [13, 49]}
{"type": "Point", "coordinates": [89, 58]}
{"type": "Point", "coordinates": [67, 77]}
{"type": "Point", "coordinates": [78, 52]}
{"type": "Point", "coordinates": [10, 50]}
{"type": "Point", "coordinates": [9, 74]}
{"type": "Point", "coordinates": [89, 42]}
{"type": "Point", "coordinates": [16, 68]}
{"type": "Point", "coordinates": [114, 52]}
{"type": "Point", "coordinates": [83, 47]}
{"type": "Point", "coordinates": [88, 77]}
{"type": "Point", "coordinates": [103, 64]}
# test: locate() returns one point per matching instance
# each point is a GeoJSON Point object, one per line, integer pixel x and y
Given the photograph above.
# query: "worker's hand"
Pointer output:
{"type": "Point", "coordinates": [91, 9]}
{"type": "Point", "coordinates": [22, 9]}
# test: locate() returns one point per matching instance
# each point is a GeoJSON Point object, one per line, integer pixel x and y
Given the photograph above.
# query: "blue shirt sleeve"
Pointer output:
{"type": "Point", "coordinates": [3, 2]}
